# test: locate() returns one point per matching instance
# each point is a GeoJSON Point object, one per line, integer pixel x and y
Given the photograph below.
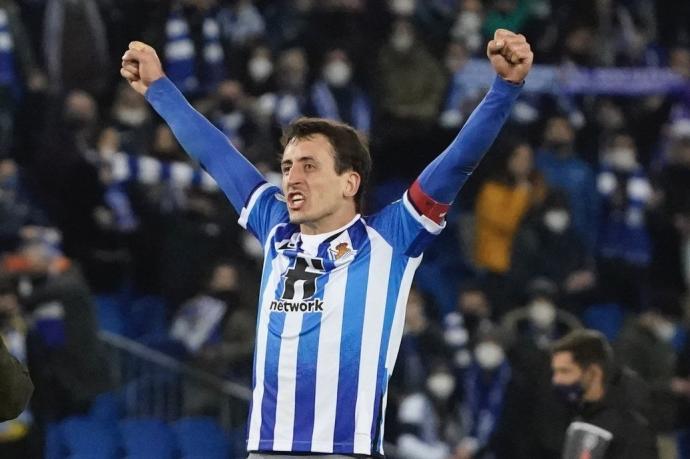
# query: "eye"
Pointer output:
{"type": "Point", "coordinates": [286, 170]}
{"type": "Point", "coordinates": [309, 167]}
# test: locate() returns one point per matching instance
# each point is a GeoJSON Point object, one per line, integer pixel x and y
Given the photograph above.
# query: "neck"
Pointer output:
{"type": "Point", "coordinates": [329, 223]}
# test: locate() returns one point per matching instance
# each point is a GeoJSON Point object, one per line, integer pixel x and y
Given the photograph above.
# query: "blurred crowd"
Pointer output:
{"type": "Point", "coordinates": [578, 217]}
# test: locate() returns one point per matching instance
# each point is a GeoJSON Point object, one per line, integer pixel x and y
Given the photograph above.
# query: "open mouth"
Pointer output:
{"type": "Point", "coordinates": [295, 200]}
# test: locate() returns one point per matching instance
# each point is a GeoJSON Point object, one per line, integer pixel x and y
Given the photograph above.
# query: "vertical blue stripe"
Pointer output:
{"type": "Point", "coordinates": [276, 323]}
{"type": "Point", "coordinates": [307, 359]}
{"type": "Point", "coordinates": [398, 266]}
{"type": "Point", "coordinates": [351, 340]}
{"type": "Point", "coordinates": [305, 389]}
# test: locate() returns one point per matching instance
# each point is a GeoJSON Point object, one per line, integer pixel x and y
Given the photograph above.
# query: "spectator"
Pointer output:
{"type": "Point", "coordinates": [557, 160]}
{"type": "Point", "coordinates": [623, 243]}
{"type": "Point", "coordinates": [501, 205]}
{"type": "Point", "coordinates": [335, 96]}
{"type": "Point", "coordinates": [76, 47]}
{"type": "Point", "coordinates": [583, 373]}
{"type": "Point", "coordinates": [548, 246]}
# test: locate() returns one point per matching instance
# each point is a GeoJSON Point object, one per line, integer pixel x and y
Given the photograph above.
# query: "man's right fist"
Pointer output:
{"type": "Point", "coordinates": [141, 66]}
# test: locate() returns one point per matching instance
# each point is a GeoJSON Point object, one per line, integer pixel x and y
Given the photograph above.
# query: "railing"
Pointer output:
{"type": "Point", "coordinates": [153, 384]}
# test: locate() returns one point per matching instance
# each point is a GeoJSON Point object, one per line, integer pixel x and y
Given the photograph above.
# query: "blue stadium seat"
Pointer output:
{"type": "Point", "coordinates": [110, 313]}
{"type": "Point", "coordinates": [147, 438]}
{"type": "Point", "coordinates": [107, 407]}
{"type": "Point", "coordinates": [84, 437]}
{"type": "Point", "coordinates": [54, 449]}
{"type": "Point", "coordinates": [605, 317]}
{"type": "Point", "coordinates": [146, 318]}
{"type": "Point", "coordinates": [202, 437]}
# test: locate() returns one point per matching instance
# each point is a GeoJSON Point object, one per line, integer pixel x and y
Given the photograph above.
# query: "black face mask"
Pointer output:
{"type": "Point", "coordinates": [471, 322]}
{"type": "Point", "coordinates": [570, 393]}
{"type": "Point", "coordinates": [76, 122]}
{"type": "Point", "coordinates": [227, 105]}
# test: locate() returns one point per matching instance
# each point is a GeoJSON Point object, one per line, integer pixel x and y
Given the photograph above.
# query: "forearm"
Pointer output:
{"type": "Point", "coordinates": [443, 178]}
{"type": "Point", "coordinates": [236, 176]}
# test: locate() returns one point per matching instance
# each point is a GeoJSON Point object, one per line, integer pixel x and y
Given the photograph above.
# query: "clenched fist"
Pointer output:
{"type": "Point", "coordinates": [141, 66]}
{"type": "Point", "coordinates": [510, 55]}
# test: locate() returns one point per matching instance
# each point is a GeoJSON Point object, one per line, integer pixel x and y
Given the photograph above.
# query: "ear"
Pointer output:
{"type": "Point", "coordinates": [352, 183]}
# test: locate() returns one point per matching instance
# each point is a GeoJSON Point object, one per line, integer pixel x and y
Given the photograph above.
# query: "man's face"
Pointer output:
{"type": "Point", "coordinates": [313, 189]}
{"type": "Point", "coordinates": [565, 370]}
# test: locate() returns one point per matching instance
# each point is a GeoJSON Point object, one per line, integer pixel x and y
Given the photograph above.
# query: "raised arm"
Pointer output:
{"type": "Point", "coordinates": [236, 176]}
{"type": "Point", "coordinates": [439, 183]}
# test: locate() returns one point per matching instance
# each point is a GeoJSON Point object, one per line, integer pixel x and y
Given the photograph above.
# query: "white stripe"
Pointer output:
{"type": "Point", "coordinates": [119, 164]}
{"type": "Point", "coordinates": [176, 27]}
{"type": "Point", "coordinates": [397, 329]}
{"type": "Point", "coordinates": [179, 50]}
{"type": "Point", "coordinates": [328, 359]}
{"type": "Point", "coordinates": [374, 311]}
{"type": "Point", "coordinates": [149, 170]}
{"type": "Point", "coordinates": [213, 53]}
{"type": "Point", "coordinates": [246, 211]}
{"type": "Point", "coordinates": [6, 43]}
{"type": "Point", "coordinates": [181, 174]}
{"type": "Point", "coordinates": [3, 17]}
{"type": "Point", "coordinates": [261, 339]}
{"type": "Point", "coordinates": [400, 308]}
{"type": "Point", "coordinates": [428, 224]}
{"type": "Point", "coordinates": [207, 182]}
{"type": "Point", "coordinates": [287, 383]}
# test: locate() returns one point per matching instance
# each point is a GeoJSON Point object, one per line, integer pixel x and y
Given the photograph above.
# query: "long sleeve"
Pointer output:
{"type": "Point", "coordinates": [443, 178]}
{"type": "Point", "coordinates": [236, 176]}
{"type": "Point", "coordinates": [15, 385]}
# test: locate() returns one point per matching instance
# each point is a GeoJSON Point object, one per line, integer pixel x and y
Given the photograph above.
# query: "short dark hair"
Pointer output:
{"type": "Point", "coordinates": [588, 347]}
{"type": "Point", "coordinates": [351, 151]}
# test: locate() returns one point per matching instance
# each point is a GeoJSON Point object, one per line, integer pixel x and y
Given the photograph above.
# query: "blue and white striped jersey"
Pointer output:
{"type": "Point", "coordinates": [331, 313]}
{"type": "Point", "coordinates": [331, 308]}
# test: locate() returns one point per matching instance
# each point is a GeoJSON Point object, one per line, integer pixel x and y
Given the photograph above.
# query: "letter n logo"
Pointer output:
{"type": "Point", "coordinates": [300, 280]}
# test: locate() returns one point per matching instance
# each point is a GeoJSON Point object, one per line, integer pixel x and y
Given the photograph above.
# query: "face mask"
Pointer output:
{"type": "Point", "coordinates": [570, 393]}
{"type": "Point", "coordinates": [471, 322]}
{"type": "Point", "coordinates": [489, 355]}
{"type": "Point", "coordinates": [621, 158]}
{"type": "Point", "coordinates": [664, 330]}
{"type": "Point", "coordinates": [402, 41]}
{"type": "Point", "coordinates": [337, 74]}
{"type": "Point", "coordinates": [76, 121]}
{"type": "Point", "coordinates": [403, 7]}
{"type": "Point", "coordinates": [542, 313]}
{"type": "Point", "coordinates": [227, 105]}
{"type": "Point", "coordinates": [557, 221]}
{"type": "Point", "coordinates": [260, 68]}
{"type": "Point", "coordinates": [440, 385]}
{"type": "Point", "coordinates": [469, 22]}
{"type": "Point", "coordinates": [132, 117]}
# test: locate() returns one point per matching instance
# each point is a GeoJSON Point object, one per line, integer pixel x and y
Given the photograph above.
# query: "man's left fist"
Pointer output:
{"type": "Point", "coordinates": [510, 55]}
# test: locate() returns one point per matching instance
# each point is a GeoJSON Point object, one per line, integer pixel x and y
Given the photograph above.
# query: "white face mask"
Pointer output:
{"type": "Point", "coordinates": [542, 313]}
{"type": "Point", "coordinates": [260, 68]}
{"type": "Point", "coordinates": [557, 220]}
{"type": "Point", "coordinates": [664, 330]}
{"type": "Point", "coordinates": [132, 117]}
{"type": "Point", "coordinates": [469, 21]}
{"type": "Point", "coordinates": [337, 73]}
{"type": "Point", "coordinates": [402, 7]}
{"type": "Point", "coordinates": [489, 355]}
{"type": "Point", "coordinates": [402, 41]}
{"type": "Point", "coordinates": [621, 158]}
{"type": "Point", "coordinates": [440, 385]}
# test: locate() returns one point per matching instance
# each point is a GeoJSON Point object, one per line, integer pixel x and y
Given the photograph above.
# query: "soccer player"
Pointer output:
{"type": "Point", "coordinates": [334, 283]}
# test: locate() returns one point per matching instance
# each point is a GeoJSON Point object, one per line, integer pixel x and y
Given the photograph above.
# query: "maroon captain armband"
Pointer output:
{"type": "Point", "coordinates": [425, 204]}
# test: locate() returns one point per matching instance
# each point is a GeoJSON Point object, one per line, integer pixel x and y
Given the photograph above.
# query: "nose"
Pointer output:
{"type": "Point", "coordinates": [294, 176]}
